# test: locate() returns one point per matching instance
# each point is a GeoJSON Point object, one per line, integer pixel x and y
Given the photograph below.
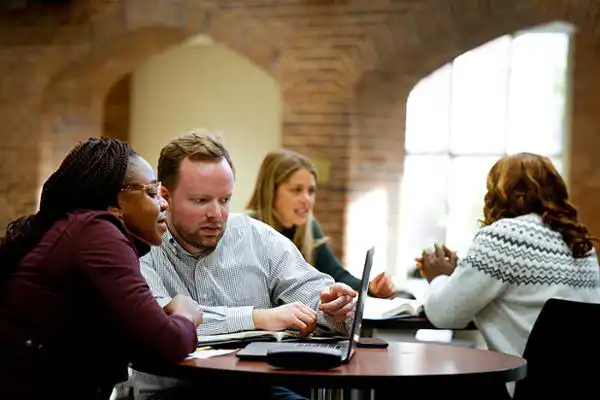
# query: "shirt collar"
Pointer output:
{"type": "Point", "coordinates": [170, 242]}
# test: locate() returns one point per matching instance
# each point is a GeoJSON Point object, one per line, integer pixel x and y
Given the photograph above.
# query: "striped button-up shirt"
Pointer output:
{"type": "Point", "coordinates": [252, 266]}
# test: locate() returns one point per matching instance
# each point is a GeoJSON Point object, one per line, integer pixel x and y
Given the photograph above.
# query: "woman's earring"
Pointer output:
{"type": "Point", "coordinates": [117, 212]}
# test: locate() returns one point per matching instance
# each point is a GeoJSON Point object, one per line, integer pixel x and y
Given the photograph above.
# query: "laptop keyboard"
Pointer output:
{"type": "Point", "coordinates": [332, 346]}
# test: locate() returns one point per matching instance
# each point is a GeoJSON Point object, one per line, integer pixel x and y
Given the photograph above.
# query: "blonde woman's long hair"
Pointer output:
{"type": "Point", "coordinates": [276, 168]}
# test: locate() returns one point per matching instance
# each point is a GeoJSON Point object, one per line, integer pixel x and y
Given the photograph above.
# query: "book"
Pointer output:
{"type": "Point", "coordinates": [376, 308]}
{"type": "Point", "coordinates": [239, 339]}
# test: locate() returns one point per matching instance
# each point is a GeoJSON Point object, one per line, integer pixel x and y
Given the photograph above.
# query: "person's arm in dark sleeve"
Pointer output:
{"type": "Point", "coordinates": [326, 262]}
{"type": "Point", "coordinates": [107, 260]}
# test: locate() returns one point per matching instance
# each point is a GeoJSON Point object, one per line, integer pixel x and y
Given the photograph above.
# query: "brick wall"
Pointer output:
{"type": "Point", "coordinates": [345, 69]}
{"type": "Point", "coordinates": [585, 122]}
{"type": "Point", "coordinates": [117, 110]}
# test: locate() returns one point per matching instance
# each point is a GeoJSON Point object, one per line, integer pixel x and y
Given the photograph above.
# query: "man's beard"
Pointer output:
{"type": "Point", "coordinates": [196, 239]}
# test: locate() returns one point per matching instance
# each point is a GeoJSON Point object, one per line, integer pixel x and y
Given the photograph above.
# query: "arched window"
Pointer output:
{"type": "Point", "coordinates": [507, 96]}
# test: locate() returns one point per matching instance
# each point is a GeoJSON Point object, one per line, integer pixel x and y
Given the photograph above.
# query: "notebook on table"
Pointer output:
{"type": "Point", "coordinates": [345, 349]}
{"type": "Point", "coordinates": [376, 308]}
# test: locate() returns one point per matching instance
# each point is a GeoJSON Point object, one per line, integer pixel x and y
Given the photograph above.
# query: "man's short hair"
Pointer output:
{"type": "Point", "coordinates": [197, 145]}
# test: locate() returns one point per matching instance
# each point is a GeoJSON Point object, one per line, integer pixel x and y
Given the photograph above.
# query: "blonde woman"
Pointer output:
{"type": "Point", "coordinates": [284, 197]}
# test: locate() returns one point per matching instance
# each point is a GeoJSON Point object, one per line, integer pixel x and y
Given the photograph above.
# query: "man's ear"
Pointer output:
{"type": "Point", "coordinates": [164, 193]}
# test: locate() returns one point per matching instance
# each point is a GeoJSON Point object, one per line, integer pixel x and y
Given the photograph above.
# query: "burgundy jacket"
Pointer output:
{"type": "Point", "coordinates": [77, 310]}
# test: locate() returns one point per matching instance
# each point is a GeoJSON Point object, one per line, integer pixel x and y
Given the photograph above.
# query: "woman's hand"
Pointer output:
{"type": "Point", "coordinates": [450, 255]}
{"type": "Point", "coordinates": [442, 261]}
{"type": "Point", "coordinates": [382, 286]}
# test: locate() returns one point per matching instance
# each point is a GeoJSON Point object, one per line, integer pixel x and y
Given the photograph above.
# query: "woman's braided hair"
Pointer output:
{"type": "Point", "coordinates": [90, 177]}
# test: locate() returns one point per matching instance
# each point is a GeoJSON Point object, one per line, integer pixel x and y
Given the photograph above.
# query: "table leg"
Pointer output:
{"type": "Point", "coordinates": [340, 394]}
{"type": "Point", "coordinates": [356, 394]}
{"type": "Point", "coordinates": [322, 394]}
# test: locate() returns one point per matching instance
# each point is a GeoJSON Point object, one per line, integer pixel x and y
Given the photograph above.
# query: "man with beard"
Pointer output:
{"type": "Point", "coordinates": [243, 274]}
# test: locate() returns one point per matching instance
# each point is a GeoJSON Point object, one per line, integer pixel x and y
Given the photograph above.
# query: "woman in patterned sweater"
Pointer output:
{"type": "Point", "coordinates": [531, 248]}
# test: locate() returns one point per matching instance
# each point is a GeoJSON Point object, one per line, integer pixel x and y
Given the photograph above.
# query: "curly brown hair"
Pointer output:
{"type": "Point", "coordinates": [527, 183]}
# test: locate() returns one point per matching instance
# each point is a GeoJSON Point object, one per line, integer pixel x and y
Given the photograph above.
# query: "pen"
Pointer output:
{"type": "Point", "coordinates": [209, 310]}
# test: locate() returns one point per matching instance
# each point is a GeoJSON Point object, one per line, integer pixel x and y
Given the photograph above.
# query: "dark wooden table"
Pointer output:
{"type": "Point", "coordinates": [400, 366]}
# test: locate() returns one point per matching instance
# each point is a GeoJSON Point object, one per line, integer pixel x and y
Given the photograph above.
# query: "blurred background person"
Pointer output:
{"type": "Point", "coordinates": [284, 198]}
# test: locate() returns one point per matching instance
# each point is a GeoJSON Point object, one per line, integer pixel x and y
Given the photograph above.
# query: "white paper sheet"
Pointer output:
{"type": "Point", "coordinates": [201, 354]}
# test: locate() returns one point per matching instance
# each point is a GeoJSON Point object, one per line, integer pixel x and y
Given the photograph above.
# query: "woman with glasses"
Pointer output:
{"type": "Point", "coordinates": [74, 307]}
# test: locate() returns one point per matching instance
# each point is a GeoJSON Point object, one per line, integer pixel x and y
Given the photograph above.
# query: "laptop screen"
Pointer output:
{"type": "Point", "coordinates": [360, 302]}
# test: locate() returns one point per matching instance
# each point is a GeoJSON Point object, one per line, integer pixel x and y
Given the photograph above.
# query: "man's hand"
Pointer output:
{"type": "Point", "coordinates": [382, 286]}
{"type": "Point", "coordinates": [337, 301]}
{"type": "Point", "coordinates": [186, 307]}
{"type": "Point", "coordinates": [293, 315]}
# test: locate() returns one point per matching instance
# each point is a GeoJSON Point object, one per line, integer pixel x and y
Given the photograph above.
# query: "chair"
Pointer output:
{"type": "Point", "coordinates": [562, 353]}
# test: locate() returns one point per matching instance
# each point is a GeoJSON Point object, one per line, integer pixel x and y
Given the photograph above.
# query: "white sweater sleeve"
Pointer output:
{"type": "Point", "coordinates": [452, 301]}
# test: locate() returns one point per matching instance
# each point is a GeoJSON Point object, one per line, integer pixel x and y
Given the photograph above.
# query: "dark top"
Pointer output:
{"type": "Point", "coordinates": [324, 259]}
{"type": "Point", "coordinates": [77, 310]}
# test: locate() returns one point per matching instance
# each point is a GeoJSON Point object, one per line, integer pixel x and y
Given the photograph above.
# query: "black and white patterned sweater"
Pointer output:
{"type": "Point", "coordinates": [512, 267]}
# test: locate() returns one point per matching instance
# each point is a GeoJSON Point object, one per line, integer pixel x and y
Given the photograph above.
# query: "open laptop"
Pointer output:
{"type": "Point", "coordinates": [259, 350]}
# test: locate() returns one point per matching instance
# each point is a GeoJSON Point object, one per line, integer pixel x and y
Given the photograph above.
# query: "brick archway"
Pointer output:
{"type": "Point", "coordinates": [439, 32]}
{"type": "Point", "coordinates": [126, 35]}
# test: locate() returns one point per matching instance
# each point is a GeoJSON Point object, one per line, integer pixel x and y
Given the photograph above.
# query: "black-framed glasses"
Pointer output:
{"type": "Point", "coordinates": [151, 189]}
